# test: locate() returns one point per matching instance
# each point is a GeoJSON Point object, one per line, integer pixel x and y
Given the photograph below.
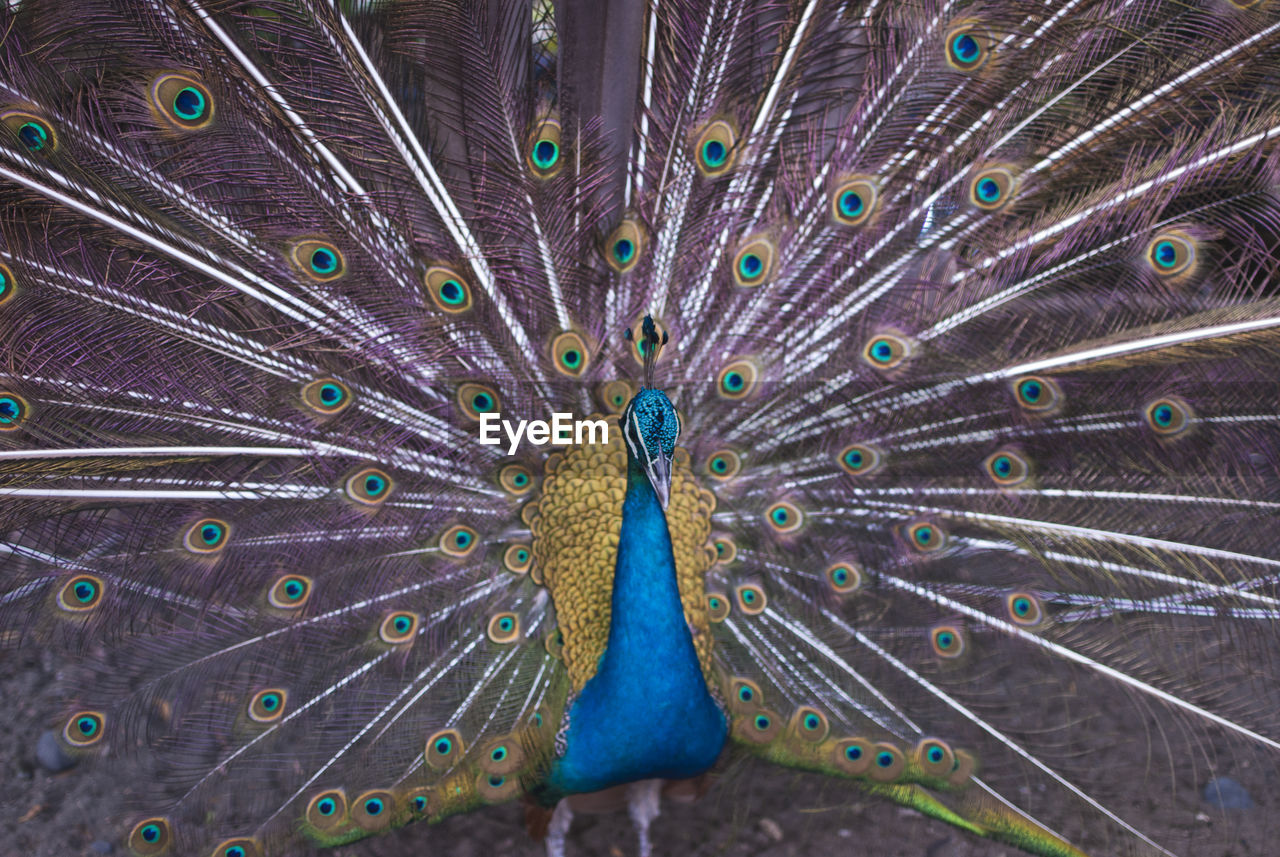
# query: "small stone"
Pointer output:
{"type": "Point", "coordinates": [101, 846]}
{"type": "Point", "coordinates": [51, 756]}
{"type": "Point", "coordinates": [1226, 793]}
{"type": "Point", "coordinates": [771, 829]}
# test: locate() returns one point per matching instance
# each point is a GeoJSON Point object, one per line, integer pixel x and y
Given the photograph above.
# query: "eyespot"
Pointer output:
{"type": "Point", "coordinates": [420, 802]}
{"type": "Point", "coordinates": [853, 202]}
{"type": "Point", "coordinates": [34, 134]}
{"type": "Point", "coordinates": [754, 263]}
{"type": "Point", "coordinates": [517, 558]}
{"type": "Point", "coordinates": [444, 749]}
{"type": "Point", "coordinates": [853, 756]}
{"type": "Point", "coordinates": [751, 599]}
{"type": "Point", "coordinates": [497, 788]}
{"type": "Point", "coordinates": [569, 354]}
{"type": "Point", "coordinates": [962, 769]}
{"type": "Point", "coordinates": [1007, 468]}
{"type": "Point", "coordinates": [267, 706]}
{"type": "Point", "coordinates": [80, 594]}
{"type": "Point", "coordinates": [477, 399]}
{"type": "Point", "coordinates": [150, 837]}
{"type": "Point", "coordinates": [13, 411]}
{"type": "Point", "coordinates": [968, 48]}
{"type": "Point", "coordinates": [398, 627]}
{"type": "Point", "coordinates": [459, 540]}
{"type": "Point", "coordinates": [784, 517]}
{"type": "Point", "coordinates": [926, 537]}
{"type": "Point", "coordinates": [886, 351]}
{"type": "Point", "coordinates": [181, 102]}
{"type": "Point", "coordinates": [623, 247]}
{"type": "Point", "coordinates": [319, 260]}
{"type": "Point", "coordinates": [504, 628]}
{"type": "Point", "coordinates": [614, 395]}
{"type": "Point", "coordinates": [238, 847]}
{"type": "Point", "coordinates": [935, 757]}
{"type": "Point", "coordinates": [810, 724]}
{"type": "Point", "coordinates": [717, 606]}
{"type": "Point", "coordinates": [1037, 394]}
{"type": "Point", "coordinates": [290, 592]}
{"type": "Point", "coordinates": [745, 695]}
{"type": "Point", "coordinates": [369, 486]}
{"type": "Point", "coordinates": [207, 536]}
{"type": "Point", "coordinates": [726, 550]}
{"type": "Point", "coordinates": [723, 464]}
{"type": "Point", "coordinates": [1171, 253]}
{"type": "Point", "coordinates": [373, 811]}
{"type": "Point", "coordinates": [948, 641]}
{"type": "Point", "coordinates": [737, 380]}
{"type": "Point", "coordinates": [326, 396]}
{"type": "Point", "coordinates": [447, 289]}
{"type": "Point", "coordinates": [8, 285]}
{"type": "Point", "coordinates": [1024, 609]}
{"type": "Point", "coordinates": [714, 149]}
{"type": "Point", "coordinates": [84, 729]}
{"type": "Point", "coordinates": [887, 763]}
{"type": "Point", "coordinates": [1169, 416]}
{"type": "Point", "coordinates": [860, 459]}
{"type": "Point", "coordinates": [992, 189]}
{"type": "Point", "coordinates": [327, 810]}
{"type": "Point", "coordinates": [844, 577]}
{"type": "Point", "coordinates": [501, 756]}
{"type": "Point", "coordinates": [554, 643]}
{"type": "Point", "coordinates": [544, 149]}
{"type": "Point", "coordinates": [516, 479]}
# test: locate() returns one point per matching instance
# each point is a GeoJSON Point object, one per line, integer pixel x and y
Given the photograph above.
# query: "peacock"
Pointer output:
{"type": "Point", "coordinates": [410, 408]}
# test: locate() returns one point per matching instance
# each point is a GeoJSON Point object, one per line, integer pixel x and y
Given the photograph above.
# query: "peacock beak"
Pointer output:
{"type": "Point", "coordinates": [658, 469]}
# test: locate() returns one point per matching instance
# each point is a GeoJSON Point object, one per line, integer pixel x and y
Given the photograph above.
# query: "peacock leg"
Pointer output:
{"type": "Point", "coordinates": [644, 804]}
{"type": "Point", "coordinates": [558, 829]}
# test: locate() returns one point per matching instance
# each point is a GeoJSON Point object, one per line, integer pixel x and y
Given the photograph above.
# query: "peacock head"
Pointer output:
{"type": "Point", "coordinates": [651, 427]}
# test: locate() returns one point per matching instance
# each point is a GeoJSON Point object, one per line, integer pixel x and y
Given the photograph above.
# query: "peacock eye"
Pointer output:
{"type": "Point", "coordinates": [724, 464]}
{"type": "Point", "coordinates": [478, 399]}
{"type": "Point", "coordinates": [290, 592]}
{"type": "Point", "coordinates": [737, 380]}
{"type": "Point", "coordinates": [326, 396]}
{"type": "Point", "coordinates": [517, 558]}
{"type": "Point", "coordinates": [327, 810]}
{"type": "Point", "coordinates": [751, 599]}
{"type": "Point", "coordinates": [373, 811]}
{"type": "Point", "coordinates": [81, 594]}
{"type": "Point", "coordinates": [754, 263]}
{"type": "Point", "coordinates": [447, 289]}
{"type": "Point", "coordinates": [181, 101]}
{"type": "Point", "coordinates": [83, 729]}
{"type": "Point", "coordinates": [1171, 253]}
{"type": "Point", "coordinates": [398, 627]}
{"type": "Point", "coordinates": [267, 706]}
{"type": "Point", "coordinates": [886, 351]}
{"type": "Point", "coordinates": [1007, 468]}
{"type": "Point", "coordinates": [13, 410]}
{"type": "Point", "coordinates": [968, 48]}
{"type": "Point", "coordinates": [238, 847]}
{"type": "Point", "coordinates": [504, 628]}
{"type": "Point", "coordinates": [844, 577]}
{"type": "Point", "coordinates": [8, 285]}
{"type": "Point", "coordinates": [569, 354]}
{"type": "Point", "coordinates": [784, 517]}
{"type": "Point", "coordinates": [459, 540]}
{"type": "Point", "coordinates": [622, 249]}
{"type": "Point", "coordinates": [1168, 417]}
{"type": "Point", "coordinates": [992, 189]}
{"type": "Point", "coordinates": [717, 607]}
{"type": "Point", "coordinates": [544, 158]}
{"type": "Point", "coordinates": [853, 202]}
{"type": "Point", "coordinates": [1024, 608]}
{"type": "Point", "coordinates": [947, 641]}
{"type": "Point", "coordinates": [860, 459]}
{"type": "Point", "coordinates": [369, 487]}
{"type": "Point", "coordinates": [1037, 394]}
{"type": "Point", "coordinates": [207, 536]}
{"type": "Point", "coordinates": [150, 837]}
{"type": "Point", "coordinates": [714, 149]}
{"type": "Point", "coordinates": [33, 133]}
{"type": "Point", "coordinates": [926, 537]}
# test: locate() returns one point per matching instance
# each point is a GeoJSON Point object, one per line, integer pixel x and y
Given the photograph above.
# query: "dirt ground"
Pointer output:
{"type": "Point", "coordinates": [759, 811]}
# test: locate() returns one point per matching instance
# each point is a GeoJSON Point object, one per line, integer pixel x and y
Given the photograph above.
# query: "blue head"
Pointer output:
{"type": "Point", "coordinates": [651, 427]}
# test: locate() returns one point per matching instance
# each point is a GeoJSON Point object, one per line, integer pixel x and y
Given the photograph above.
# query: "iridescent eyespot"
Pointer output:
{"type": "Point", "coordinates": [554, 643]}
{"type": "Point", "coordinates": [8, 285]}
{"type": "Point", "coordinates": [398, 627]}
{"type": "Point", "coordinates": [714, 149]}
{"type": "Point", "coordinates": [150, 837]}
{"type": "Point", "coordinates": [13, 410]}
{"type": "Point", "coordinates": [544, 158]}
{"type": "Point", "coordinates": [751, 599]}
{"type": "Point", "coordinates": [516, 479]}
{"type": "Point", "coordinates": [726, 549]}
{"type": "Point", "coordinates": [926, 537]}
{"type": "Point", "coordinates": [757, 726]}
{"type": "Point", "coordinates": [83, 729]}
{"type": "Point", "coordinates": [459, 540]}
{"type": "Point", "coordinates": [887, 763]}
{"type": "Point", "coordinates": [934, 757]}
{"type": "Point", "coordinates": [207, 536]}
{"type": "Point", "coordinates": [569, 354]}
{"type": "Point", "coordinates": [737, 380]}
{"type": "Point", "coordinates": [1037, 394]}
{"type": "Point", "coordinates": [444, 749]}
{"type": "Point", "coordinates": [501, 756]}
{"type": "Point", "coordinates": [447, 289]}
{"type": "Point", "coordinates": [717, 606]}
{"type": "Point", "coordinates": [419, 801]}
{"type": "Point", "coordinates": [374, 810]}
{"type": "Point", "coordinates": [238, 847]}
{"type": "Point", "coordinates": [290, 592]}
{"type": "Point", "coordinates": [327, 810]}
{"type": "Point", "coordinates": [962, 769]}
{"type": "Point", "coordinates": [267, 706]}
{"type": "Point", "coordinates": [947, 641]}
{"type": "Point", "coordinates": [853, 756]}
{"type": "Point", "coordinates": [754, 263]}
{"type": "Point", "coordinates": [968, 48]}
{"type": "Point", "coordinates": [1169, 416]}
{"type": "Point", "coordinates": [1024, 608]}
{"type": "Point", "coordinates": [33, 133]}
{"type": "Point", "coordinates": [369, 486]}
{"type": "Point", "coordinates": [784, 517]}
{"type": "Point", "coordinates": [326, 396]}
{"type": "Point", "coordinates": [623, 247]}
{"type": "Point", "coordinates": [517, 558]}
{"type": "Point", "coordinates": [886, 351]}
{"type": "Point", "coordinates": [504, 628]}
{"type": "Point", "coordinates": [992, 189]}
{"type": "Point", "coordinates": [614, 395]}
{"type": "Point", "coordinates": [860, 459]}
{"type": "Point", "coordinates": [80, 594]}
{"type": "Point", "coordinates": [478, 399]}
{"type": "Point", "coordinates": [1007, 468]}
{"type": "Point", "coordinates": [853, 202]}
{"type": "Point", "coordinates": [745, 695]}
{"type": "Point", "coordinates": [723, 464]}
{"type": "Point", "coordinates": [844, 577]}
{"type": "Point", "coordinates": [497, 788]}
{"type": "Point", "coordinates": [180, 102]}
{"type": "Point", "coordinates": [810, 724]}
{"type": "Point", "coordinates": [1171, 253]}
{"type": "Point", "coordinates": [319, 260]}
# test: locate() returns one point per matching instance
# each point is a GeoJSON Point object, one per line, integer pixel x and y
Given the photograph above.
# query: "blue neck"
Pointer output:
{"type": "Point", "coordinates": [647, 711]}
